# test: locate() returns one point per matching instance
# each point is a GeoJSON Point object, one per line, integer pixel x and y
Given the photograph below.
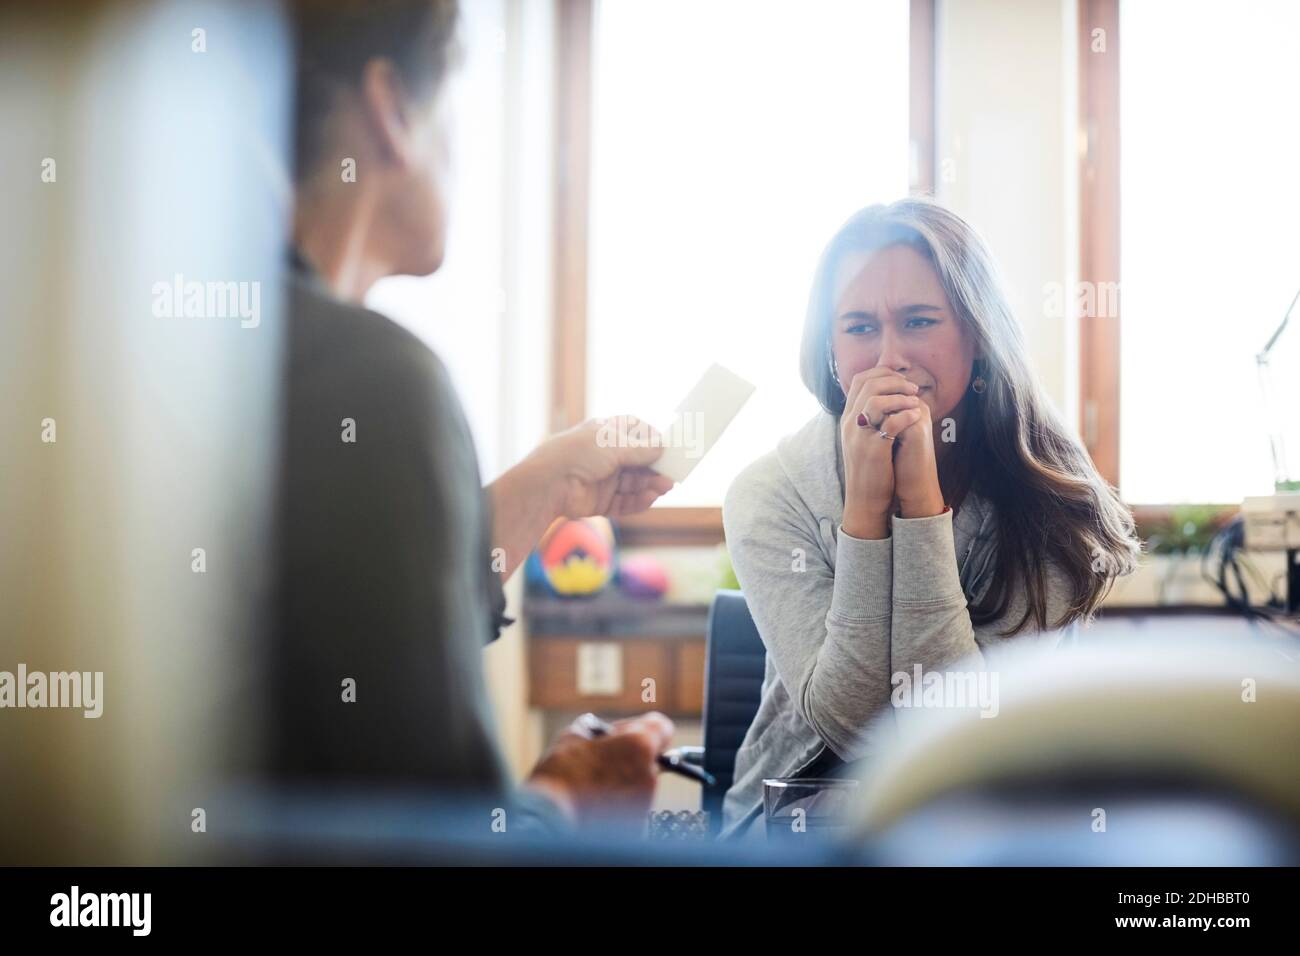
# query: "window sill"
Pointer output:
{"type": "Point", "coordinates": [671, 527]}
{"type": "Point", "coordinates": [695, 527]}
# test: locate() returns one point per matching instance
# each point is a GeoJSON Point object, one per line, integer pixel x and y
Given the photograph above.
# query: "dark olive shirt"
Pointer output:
{"type": "Point", "coordinates": [384, 565]}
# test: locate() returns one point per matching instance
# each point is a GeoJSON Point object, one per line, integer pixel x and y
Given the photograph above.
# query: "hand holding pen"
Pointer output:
{"type": "Point", "coordinates": [600, 774]}
{"type": "Point", "coordinates": [671, 760]}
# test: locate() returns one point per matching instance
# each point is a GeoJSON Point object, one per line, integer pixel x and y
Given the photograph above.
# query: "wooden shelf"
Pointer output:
{"type": "Point", "coordinates": [675, 665]}
{"type": "Point", "coordinates": [634, 639]}
{"type": "Point", "coordinates": [613, 614]}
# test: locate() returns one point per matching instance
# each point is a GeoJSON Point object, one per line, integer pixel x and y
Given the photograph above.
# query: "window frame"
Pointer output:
{"type": "Point", "coordinates": [1098, 140]}
{"type": "Point", "coordinates": [1098, 137]}
{"type": "Point", "coordinates": [573, 40]}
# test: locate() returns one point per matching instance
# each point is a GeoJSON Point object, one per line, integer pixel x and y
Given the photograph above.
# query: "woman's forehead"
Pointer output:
{"type": "Point", "coordinates": [892, 273]}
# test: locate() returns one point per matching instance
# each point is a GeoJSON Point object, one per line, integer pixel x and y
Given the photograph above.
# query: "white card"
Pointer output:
{"type": "Point", "coordinates": [700, 420]}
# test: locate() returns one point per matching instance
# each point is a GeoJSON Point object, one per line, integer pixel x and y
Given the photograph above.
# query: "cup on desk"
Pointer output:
{"type": "Point", "coordinates": [806, 809]}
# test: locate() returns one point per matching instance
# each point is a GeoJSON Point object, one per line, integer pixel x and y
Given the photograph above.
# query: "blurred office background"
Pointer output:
{"type": "Point", "coordinates": [653, 183]}
{"type": "Point", "coordinates": [642, 188]}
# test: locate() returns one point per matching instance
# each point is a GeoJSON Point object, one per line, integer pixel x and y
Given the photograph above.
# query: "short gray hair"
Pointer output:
{"type": "Point", "coordinates": [334, 41]}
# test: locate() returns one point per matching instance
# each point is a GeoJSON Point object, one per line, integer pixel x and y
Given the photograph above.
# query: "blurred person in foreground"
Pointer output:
{"type": "Point", "coordinates": [386, 576]}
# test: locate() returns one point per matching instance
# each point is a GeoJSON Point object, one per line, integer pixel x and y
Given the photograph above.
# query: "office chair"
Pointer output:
{"type": "Point", "coordinates": [1179, 746]}
{"type": "Point", "coordinates": [735, 659]}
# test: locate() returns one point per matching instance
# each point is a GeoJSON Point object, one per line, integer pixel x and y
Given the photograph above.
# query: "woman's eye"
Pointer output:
{"type": "Point", "coordinates": [859, 328]}
{"type": "Point", "coordinates": [925, 323]}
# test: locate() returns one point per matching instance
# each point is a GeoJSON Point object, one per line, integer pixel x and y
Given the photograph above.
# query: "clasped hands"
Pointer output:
{"type": "Point", "coordinates": [889, 473]}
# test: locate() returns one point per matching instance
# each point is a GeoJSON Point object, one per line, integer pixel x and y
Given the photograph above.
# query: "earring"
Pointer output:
{"type": "Point", "coordinates": [835, 369]}
{"type": "Point", "coordinates": [978, 385]}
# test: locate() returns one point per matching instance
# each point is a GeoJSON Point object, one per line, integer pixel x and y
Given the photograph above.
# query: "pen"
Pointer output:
{"type": "Point", "coordinates": [672, 761]}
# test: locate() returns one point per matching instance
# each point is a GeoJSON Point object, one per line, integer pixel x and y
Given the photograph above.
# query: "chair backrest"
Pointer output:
{"type": "Point", "coordinates": [1149, 710]}
{"type": "Point", "coordinates": [733, 686]}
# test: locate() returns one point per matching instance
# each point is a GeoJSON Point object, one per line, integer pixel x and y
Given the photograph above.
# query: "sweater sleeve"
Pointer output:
{"type": "Point", "coordinates": [826, 628]}
{"type": "Point", "coordinates": [930, 624]}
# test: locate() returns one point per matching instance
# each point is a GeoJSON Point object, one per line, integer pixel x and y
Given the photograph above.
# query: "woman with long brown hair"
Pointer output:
{"type": "Point", "coordinates": [936, 506]}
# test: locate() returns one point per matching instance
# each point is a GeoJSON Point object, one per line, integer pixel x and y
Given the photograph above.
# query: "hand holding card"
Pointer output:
{"type": "Point", "coordinates": [700, 420]}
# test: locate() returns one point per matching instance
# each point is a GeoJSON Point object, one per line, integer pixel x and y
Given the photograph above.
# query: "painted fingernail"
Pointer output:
{"type": "Point", "coordinates": [862, 420]}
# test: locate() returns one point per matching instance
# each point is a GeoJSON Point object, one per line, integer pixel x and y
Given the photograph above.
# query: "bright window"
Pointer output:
{"type": "Point", "coordinates": [730, 139]}
{"type": "Point", "coordinates": [1209, 242]}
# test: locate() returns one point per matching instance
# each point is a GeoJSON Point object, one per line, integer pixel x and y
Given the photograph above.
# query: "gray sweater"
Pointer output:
{"type": "Point", "coordinates": [840, 615]}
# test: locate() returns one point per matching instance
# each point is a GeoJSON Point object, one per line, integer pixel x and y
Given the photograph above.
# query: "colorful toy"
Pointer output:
{"type": "Point", "coordinates": [574, 558]}
{"type": "Point", "coordinates": [642, 575]}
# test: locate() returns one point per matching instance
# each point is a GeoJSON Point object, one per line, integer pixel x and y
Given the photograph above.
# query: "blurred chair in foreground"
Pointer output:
{"type": "Point", "coordinates": [1180, 746]}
